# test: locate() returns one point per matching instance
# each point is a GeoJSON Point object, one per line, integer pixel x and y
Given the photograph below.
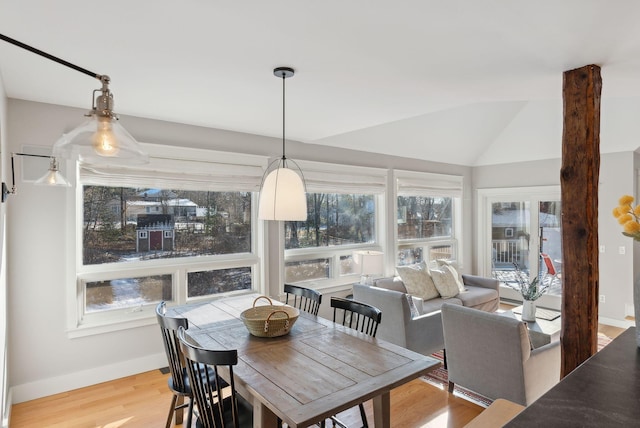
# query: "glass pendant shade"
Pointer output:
{"type": "Point", "coordinates": [283, 196]}
{"type": "Point", "coordinates": [53, 177]}
{"type": "Point", "coordinates": [101, 139]}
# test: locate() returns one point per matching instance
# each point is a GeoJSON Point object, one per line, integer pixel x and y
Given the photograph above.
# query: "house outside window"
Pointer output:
{"type": "Point", "coordinates": [156, 233]}
{"type": "Point", "coordinates": [428, 217]}
{"type": "Point", "coordinates": [344, 214]}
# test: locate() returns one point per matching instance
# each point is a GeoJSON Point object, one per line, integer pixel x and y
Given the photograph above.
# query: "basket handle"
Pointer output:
{"type": "Point", "coordinates": [262, 297]}
{"type": "Point", "coordinates": [266, 322]}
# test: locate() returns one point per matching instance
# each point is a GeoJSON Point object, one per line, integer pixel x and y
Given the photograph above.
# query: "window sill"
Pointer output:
{"type": "Point", "coordinates": [94, 328]}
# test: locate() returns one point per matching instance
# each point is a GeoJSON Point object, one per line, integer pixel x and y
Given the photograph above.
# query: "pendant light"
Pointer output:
{"type": "Point", "coordinates": [101, 139]}
{"type": "Point", "coordinates": [283, 191]}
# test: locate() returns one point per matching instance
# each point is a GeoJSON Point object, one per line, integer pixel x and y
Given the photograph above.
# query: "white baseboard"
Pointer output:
{"type": "Point", "coordinates": [80, 379]}
{"type": "Point", "coordinates": [616, 323]}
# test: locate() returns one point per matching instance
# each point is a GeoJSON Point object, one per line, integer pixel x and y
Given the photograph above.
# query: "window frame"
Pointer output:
{"type": "Point", "coordinates": [80, 323]}
{"type": "Point", "coordinates": [331, 179]}
{"type": "Point", "coordinates": [428, 184]}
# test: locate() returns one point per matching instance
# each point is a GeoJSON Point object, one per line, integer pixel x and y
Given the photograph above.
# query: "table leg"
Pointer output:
{"type": "Point", "coordinates": [263, 417]}
{"type": "Point", "coordinates": [382, 410]}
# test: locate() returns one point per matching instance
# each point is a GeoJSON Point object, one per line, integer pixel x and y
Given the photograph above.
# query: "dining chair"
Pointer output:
{"type": "Point", "coordinates": [217, 406]}
{"type": "Point", "coordinates": [178, 381]}
{"type": "Point", "coordinates": [305, 299]}
{"type": "Point", "coordinates": [361, 317]}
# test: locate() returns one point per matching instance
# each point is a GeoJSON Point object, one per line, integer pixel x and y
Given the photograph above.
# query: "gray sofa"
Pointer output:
{"type": "Point", "coordinates": [412, 323]}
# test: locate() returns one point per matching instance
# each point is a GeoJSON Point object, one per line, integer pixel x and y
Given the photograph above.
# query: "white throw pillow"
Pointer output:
{"type": "Point", "coordinates": [445, 282]}
{"type": "Point", "coordinates": [417, 281]}
{"type": "Point", "coordinates": [448, 264]}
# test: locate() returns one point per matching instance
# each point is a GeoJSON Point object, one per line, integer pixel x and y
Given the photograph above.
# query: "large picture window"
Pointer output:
{"type": "Point", "coordinates": [427, 216]}
{"type": "Point", "coordinates": [157, 233]}
{"type": "Point", "coordinates": [343, 215]}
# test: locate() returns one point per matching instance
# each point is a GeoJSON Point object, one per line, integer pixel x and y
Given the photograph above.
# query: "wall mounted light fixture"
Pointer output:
{"type": "Point", "coordinates": [101, 139]}
{"type": "Point", "coordinates": [53, 177]}
{"type": "Point", "coordinates": [283, 191]}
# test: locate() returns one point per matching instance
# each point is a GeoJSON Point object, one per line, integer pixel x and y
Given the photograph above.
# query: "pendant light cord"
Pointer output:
{"type": "Point", "coordinates": [284, 158]}
{"type": "Point", "coordinates": [49, 56]}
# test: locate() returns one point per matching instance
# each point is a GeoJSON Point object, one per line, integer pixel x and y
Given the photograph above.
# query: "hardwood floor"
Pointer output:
{"type": "Point", "coordinates": [143, 401]}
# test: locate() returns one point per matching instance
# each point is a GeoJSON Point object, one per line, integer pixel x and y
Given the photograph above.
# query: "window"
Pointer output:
{"type": "Point", "coordinates": [344, 206]}
{"type": "Point", "coordinates": [157, 233]}
{"type": "Point", "coordinates": [428, 210]}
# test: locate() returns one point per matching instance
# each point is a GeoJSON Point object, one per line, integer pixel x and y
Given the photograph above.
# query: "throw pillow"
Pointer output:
{"type": "Point", "coordinates": [445, 282]}
{"type": "Point", "coordinates": [412, 307]}
{"type": "Point", "coordinates": [417, 280]}
{"type": "Point", "coordinates": [453, 268]}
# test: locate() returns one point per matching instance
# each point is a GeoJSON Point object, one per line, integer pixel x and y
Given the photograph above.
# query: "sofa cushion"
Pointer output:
{"type": "Point", "coordinates": [445, 282]}
{"type": "Point", "coordinates": [417, 280]}
{"type": "Point", "coordinates": [394, 284]}
{"type": "Point", "coordinates": [480, 298]}
{"type": "Point", "coordinates": [434, 305]}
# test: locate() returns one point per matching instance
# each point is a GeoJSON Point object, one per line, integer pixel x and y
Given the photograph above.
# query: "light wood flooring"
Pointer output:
{"type": "Point", "coordinates": [143, 401]}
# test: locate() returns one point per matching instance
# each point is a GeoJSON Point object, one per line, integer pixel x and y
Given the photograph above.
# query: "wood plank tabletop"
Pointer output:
{"type": "Point", "coordinates": [317, 370]}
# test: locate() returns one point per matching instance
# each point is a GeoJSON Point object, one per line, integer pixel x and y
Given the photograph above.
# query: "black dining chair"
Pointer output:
{"type": "Point", "coordinates": [217, 406]}
{"type": "Point", "coordinates": [178, 381]}
{"type": "Point", "coordinates": [361, 317]}
{"type": "Point", "coordinates": [305, 299]}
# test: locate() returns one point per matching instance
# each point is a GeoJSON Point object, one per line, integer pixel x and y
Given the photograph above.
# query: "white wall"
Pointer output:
{"type": "Point", "coordinates": [4, 410]}
{"type": "Point", "coordinates": [42, 359]}
{"type": "Point", "coordinates": [617, 177]}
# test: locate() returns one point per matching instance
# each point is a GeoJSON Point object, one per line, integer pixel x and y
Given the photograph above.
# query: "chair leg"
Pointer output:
{"type": "Point", "coordinates": [444, 358]}
{"type": "Point", "coordinates": [179, 409]}
{"type": "Point", "coordinates": [451, 386]}
{"type": "Point", "coordinates": [190, 413]}
{"type": "Point", "coordinates": [172, 409]}
{"type": "Point", "coordinates": [364, 416]}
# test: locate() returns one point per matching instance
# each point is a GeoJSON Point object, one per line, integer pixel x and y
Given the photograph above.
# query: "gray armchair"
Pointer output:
{"type": "Point", "coordinates": [400, 325]}
{"type": "Point", "coordinates": [491, 354]}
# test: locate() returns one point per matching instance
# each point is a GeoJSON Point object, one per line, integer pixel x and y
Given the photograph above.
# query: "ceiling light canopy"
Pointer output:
{"type": "Point", "coordinates": [283, 191]}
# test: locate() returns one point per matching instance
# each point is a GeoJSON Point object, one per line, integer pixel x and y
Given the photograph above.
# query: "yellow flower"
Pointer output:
{"type": "Point", "coordinates": [628, 217]}
{"type": "Point", "coordinates": [632, 227]}
{"type": "Point", "coordinates": [625, 218]}
{"type": "Point", "coordinates": [626, 200]}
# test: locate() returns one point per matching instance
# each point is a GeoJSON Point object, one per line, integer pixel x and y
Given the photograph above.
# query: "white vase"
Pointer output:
{"type": "Point", "coordinates": [529, 310]}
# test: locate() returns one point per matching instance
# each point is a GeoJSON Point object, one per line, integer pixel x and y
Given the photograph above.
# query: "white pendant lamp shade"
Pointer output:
{"type": "Point", "coordinates": [283, 193]}
{"type": "Point", "coordinates": [100, 139]}
{"type": "Point", "coordinates": [283, 196]}
{"type": "Point", "coordinates": [53, 176]}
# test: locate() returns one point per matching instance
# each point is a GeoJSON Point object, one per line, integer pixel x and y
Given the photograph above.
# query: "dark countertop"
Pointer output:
{"type": "Point", "coordinates": [604, 391]}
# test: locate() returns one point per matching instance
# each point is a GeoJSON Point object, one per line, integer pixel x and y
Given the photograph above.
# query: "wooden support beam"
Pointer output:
{"type": "Point", "coordinates": [579, 183]}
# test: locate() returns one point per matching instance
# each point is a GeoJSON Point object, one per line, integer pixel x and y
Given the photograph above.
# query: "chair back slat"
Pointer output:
{"type": "Point", "coordinates": [357, 315]}
{"type": "Point", "coordinates": [305, 299]}
{"type": "Point", "coordinates": [218, 405]}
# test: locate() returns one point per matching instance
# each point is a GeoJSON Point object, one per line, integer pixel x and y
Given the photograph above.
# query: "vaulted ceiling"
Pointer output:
{"type": "Point", "coordinates": [471, 82]}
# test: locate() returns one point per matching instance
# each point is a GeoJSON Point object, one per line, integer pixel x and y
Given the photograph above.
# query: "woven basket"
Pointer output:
{"type": "Point", "coordinates": [269, 320]}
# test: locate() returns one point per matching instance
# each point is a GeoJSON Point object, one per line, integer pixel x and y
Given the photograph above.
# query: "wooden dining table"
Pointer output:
{"type": "Point", "coordinates": [317, 370]}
